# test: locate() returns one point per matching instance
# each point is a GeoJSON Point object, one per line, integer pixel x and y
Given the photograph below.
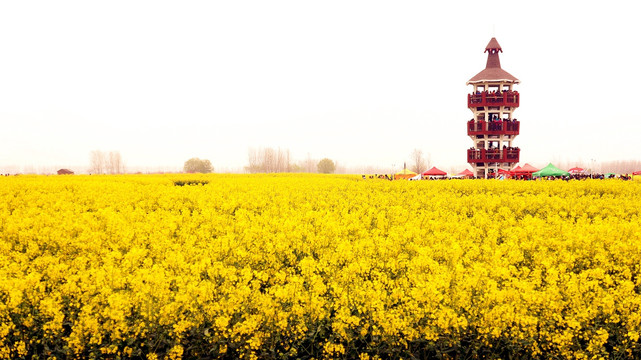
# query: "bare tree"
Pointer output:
{"type": "Point", "coordinates": [288, 161]}
{"type": "Point", "coordinates": [418, 164]}
{"type": "Point", "coordinates": [97, 161]}
{"type": "Point", "coordinates": [282, 161]}
{"type": "Point", "coordinates": [106, 163]}
{"type": "Point", "coordinates": [269, 160]}
{"type": "Point", "coordinates": [110, 163]}
{"type": "Point", "coordinates": [254, 161]}
{"type": "Point", "coordinates": [114, 163]}
{"type": "Point", "coordinates": [310, 164]}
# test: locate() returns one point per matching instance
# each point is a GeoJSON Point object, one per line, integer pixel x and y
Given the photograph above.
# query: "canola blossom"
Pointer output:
{"type": "Point", "coordinates": [311, 266]}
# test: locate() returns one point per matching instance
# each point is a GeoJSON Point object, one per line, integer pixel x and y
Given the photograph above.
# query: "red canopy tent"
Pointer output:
{"type": "Point", "coordinates": [434, 172]}
{"type": "Point", "coordinates": [466, 173]}
{"type": "Point", "coordinates": [637, 172]}
{"type": "Point", "coordinates": [525, 170]}
{"type": "Point", "coordinates": [576, 170]}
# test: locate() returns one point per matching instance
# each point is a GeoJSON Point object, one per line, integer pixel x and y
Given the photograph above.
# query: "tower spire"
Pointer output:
{"type": "Point", "coordinates": [492, 49]}
{"type": "Point", "coordinates": [493, 71]}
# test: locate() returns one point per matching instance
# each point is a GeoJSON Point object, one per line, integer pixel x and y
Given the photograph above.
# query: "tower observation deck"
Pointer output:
{"type": "Point", "coordinates": [493, 127]}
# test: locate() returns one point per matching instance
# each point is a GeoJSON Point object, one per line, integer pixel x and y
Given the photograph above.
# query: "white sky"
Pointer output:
{"type": "Point", "coordinates": [360, 82]}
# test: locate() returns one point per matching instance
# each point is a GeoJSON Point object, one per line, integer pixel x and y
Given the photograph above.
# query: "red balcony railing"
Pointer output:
{"type": "Point", "coordinates": [506, 155]}
{"type": "Point", "coordinates": [503, 127]}
{"type": "Point", "coordinates": [485, 98]}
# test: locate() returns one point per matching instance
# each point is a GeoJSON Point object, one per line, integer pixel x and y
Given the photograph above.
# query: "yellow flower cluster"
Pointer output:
{"type": "Point", "coordinates": [310, 266]}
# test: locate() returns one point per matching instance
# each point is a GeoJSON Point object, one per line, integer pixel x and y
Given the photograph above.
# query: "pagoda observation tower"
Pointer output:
{"type": "Point", "coordinates": [493, 128]}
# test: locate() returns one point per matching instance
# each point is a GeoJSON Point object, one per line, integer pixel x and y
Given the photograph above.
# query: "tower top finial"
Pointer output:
{"type": "Point", "coordinates": [493, 46]}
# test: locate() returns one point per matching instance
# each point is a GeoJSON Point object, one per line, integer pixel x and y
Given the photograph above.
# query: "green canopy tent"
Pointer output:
{"type": "Point", "coordinates": [550, 170]}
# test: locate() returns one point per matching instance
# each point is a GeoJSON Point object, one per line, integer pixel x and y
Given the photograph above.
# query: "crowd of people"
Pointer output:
{"type": "Point", "coordinates": [378, 176]}
{"type": "Point", "coordinates": [494, 124]}
{"type": "Point", "coordinates": [494, 96]}
{"type": "Point", "coordinates": [595, 176]}
{"type": "Point", "coordinates": [527, 176]}
{"type": "Point", "coordinates": [494, 153]}
{"type": "Point", "coordinates": [581, 176]}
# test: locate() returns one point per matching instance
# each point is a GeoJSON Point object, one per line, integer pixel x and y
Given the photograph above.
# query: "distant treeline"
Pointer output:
{"type": "Point", "coordinates": [270, 160]}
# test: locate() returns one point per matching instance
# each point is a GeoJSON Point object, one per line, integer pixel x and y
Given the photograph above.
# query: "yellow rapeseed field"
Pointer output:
{"type": "Point", "coordinates": [311, 266]}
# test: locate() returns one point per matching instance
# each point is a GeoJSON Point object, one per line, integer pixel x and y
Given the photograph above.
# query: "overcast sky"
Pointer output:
{"type": "Point", "coordinates": [360, 82]}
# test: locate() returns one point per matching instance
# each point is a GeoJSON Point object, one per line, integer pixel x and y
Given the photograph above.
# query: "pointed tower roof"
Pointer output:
{"type": "Point", "coordinates": [493, 71]}
{"type": "Point", "coordinates": [493, 45]}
